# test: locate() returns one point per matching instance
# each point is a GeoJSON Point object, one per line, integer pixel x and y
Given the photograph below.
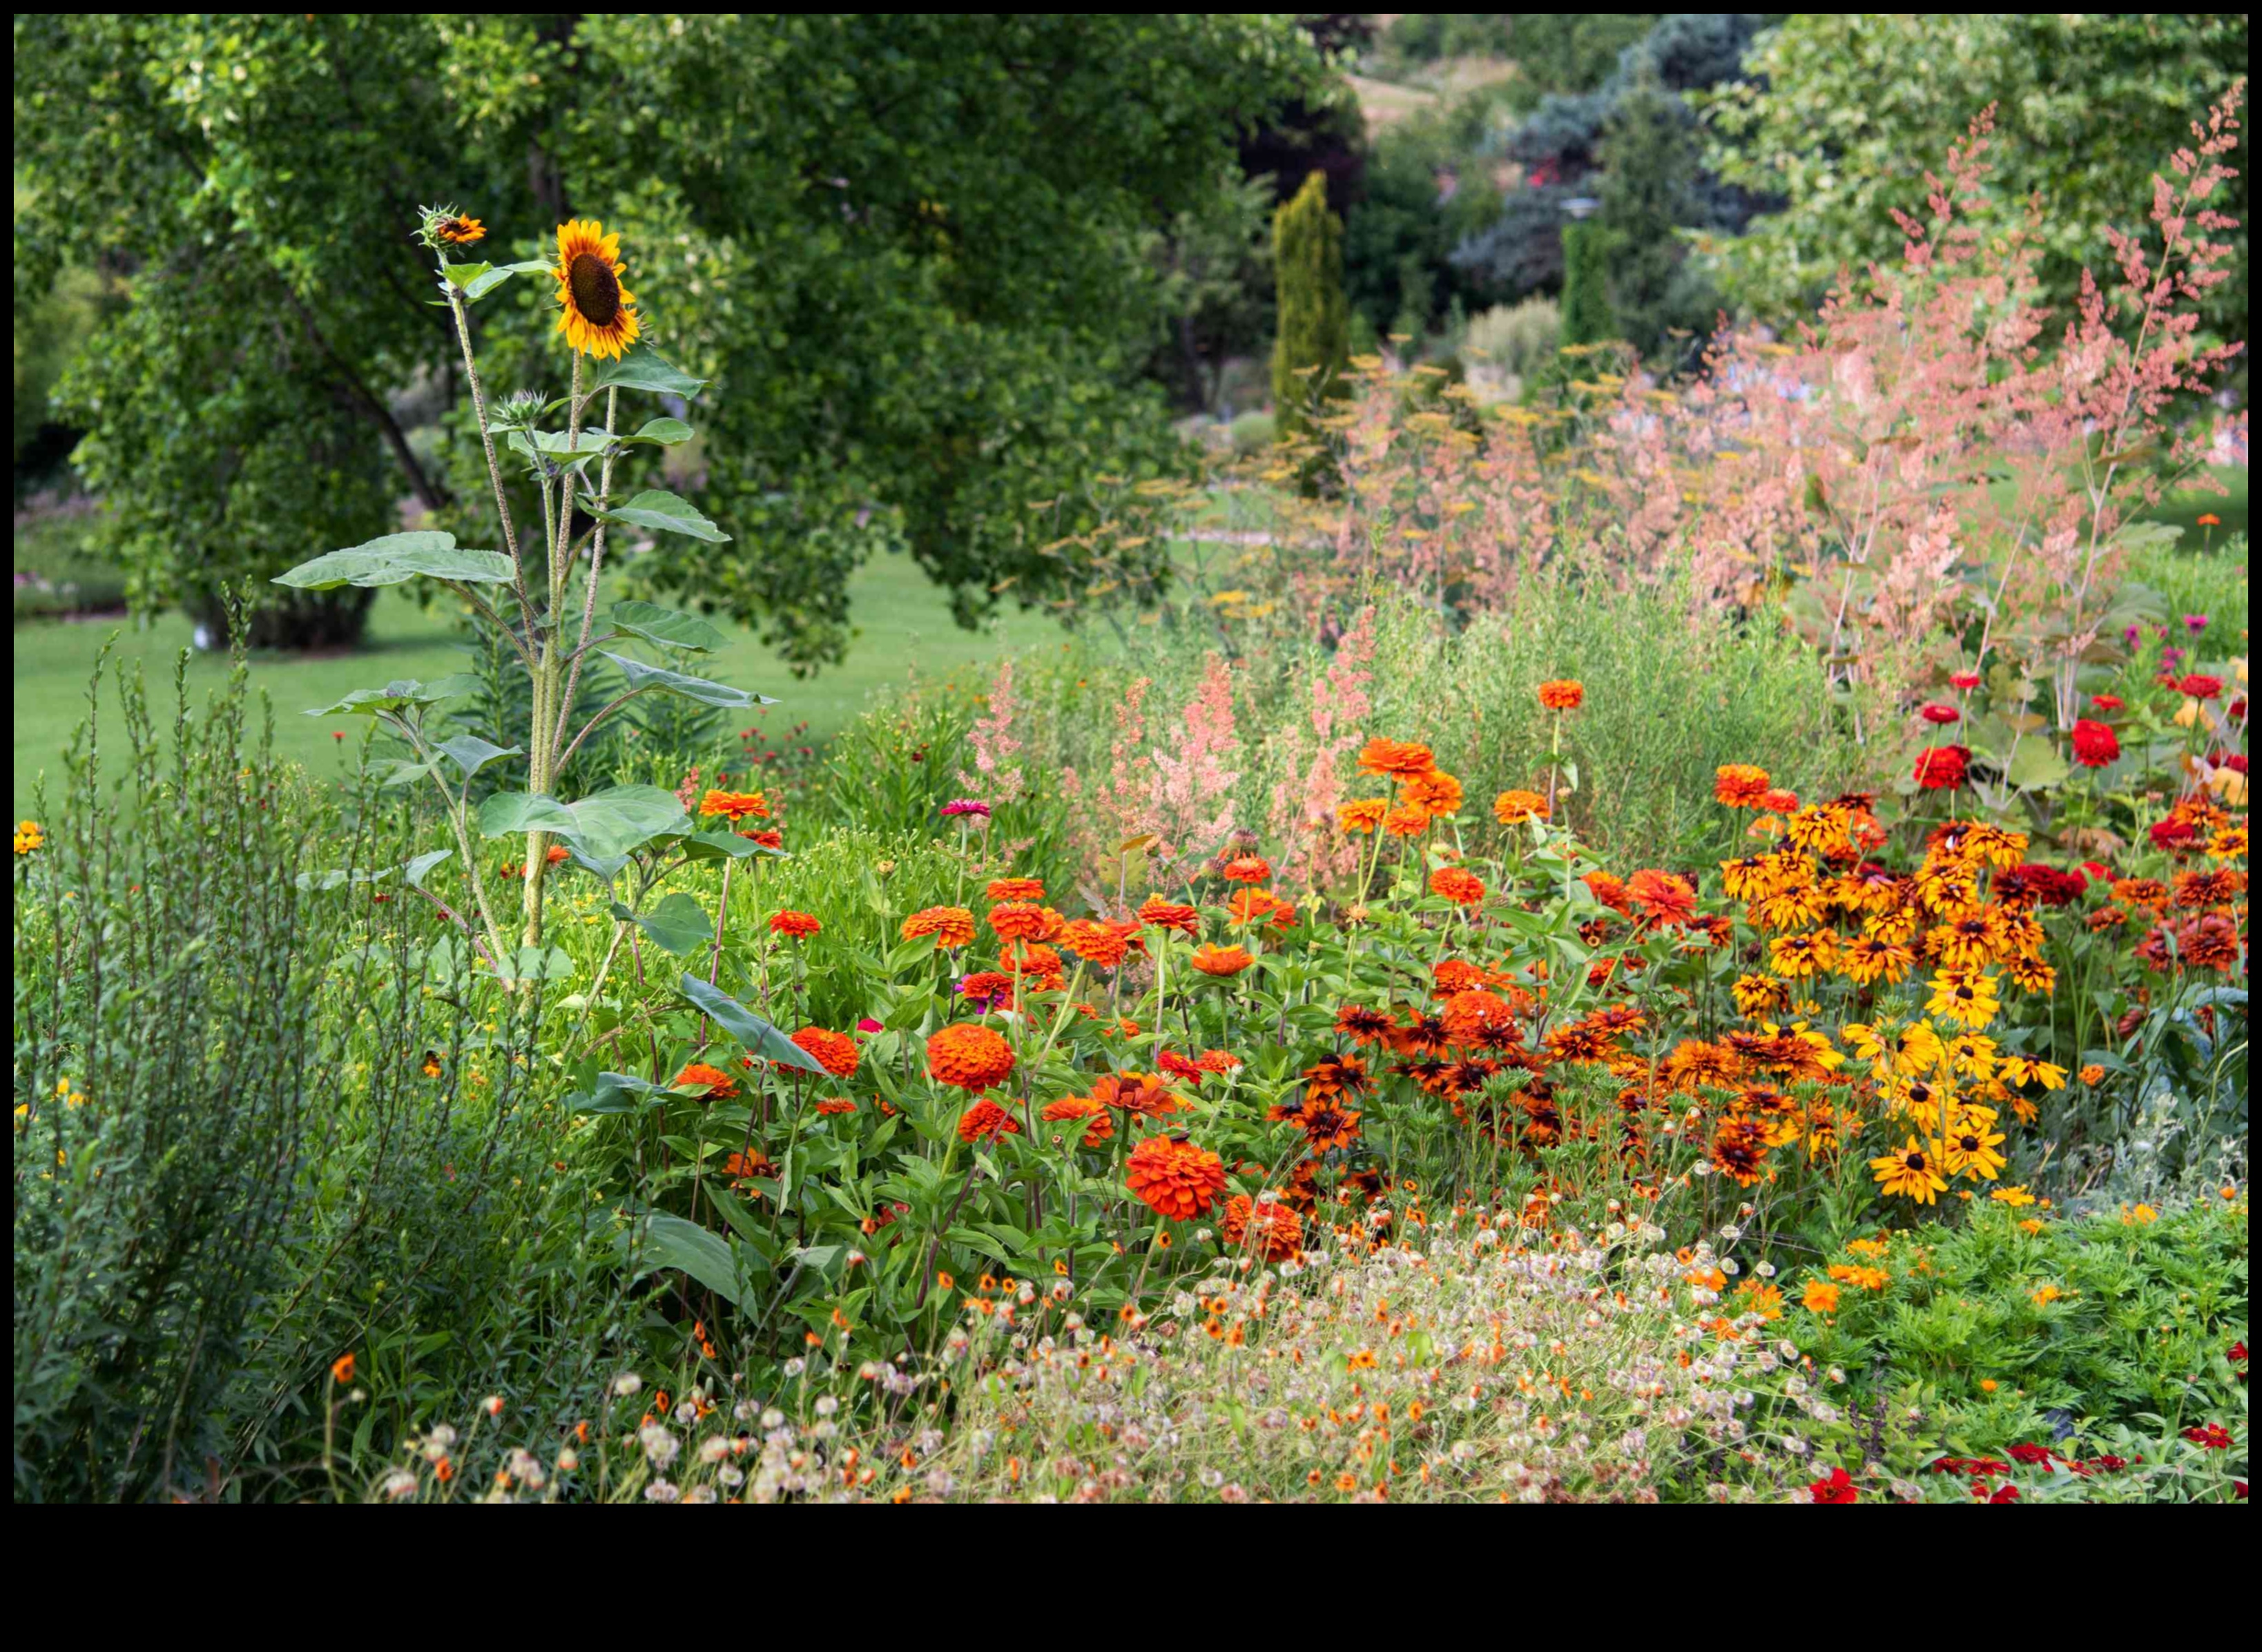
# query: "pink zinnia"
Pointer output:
{"type": "Point", "coordinates": [965, 806]}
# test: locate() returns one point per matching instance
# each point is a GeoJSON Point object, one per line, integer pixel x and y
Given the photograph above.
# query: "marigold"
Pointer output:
{"type": "Point", "coordinates": [1174, 1178]}
{"type": "Point", "coordinates": [969, 1055]}
{"type": "Point", "coordinates": [952, 926]}
{"type": "Point", "coordinates": [1819, 1297]}
{"type": "Point", "coordinates": [1458, 885]}
{"type": "Point", "coordinates": [986, 1120]}
{"type": "Point", "coordinates": [836, 1053]}
{"type": "Point", "coordinates": [712, 1082]}
{"type": "Point", "coordinates": [1564, 694]}
{"type": "Point", "coordinates": [1221, 960]}
{"type": "Point", "coordinates": [794, 925]}
{"type": "Point", "coordinates": [735, 806]}
{"type": "Point", "coordinates": [1740, 784]}
{"type": "Point", "coordinates": [1400, 759]}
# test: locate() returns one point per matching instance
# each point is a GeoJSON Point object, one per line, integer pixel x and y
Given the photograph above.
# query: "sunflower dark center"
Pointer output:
{"type": "Point", "coordinates": [596, 290]}
{"type": "Point", "coordinates": [1916, 1161]}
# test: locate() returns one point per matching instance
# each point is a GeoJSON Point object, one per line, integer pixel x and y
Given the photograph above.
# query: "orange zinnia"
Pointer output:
{"type": "Point", "coordinates": [1221, 960]}
{"type": "Point", "coordinates": [1564, 694]}
{"type": "Point", "coordinates": [1261, 906]}
{"type": "Point", "coordinates": [1406, 821]}
{"type": "Point", "coordinates": [1514, 807]}
{"type": "Point", "coordinates": [1168, 915]}
{"type": "Point", "coordinates": [1137, 1093]}
{"type": "Point", "coordinates": [1435, 792]}
{"type": "Point", "coordinates": [1016, 889]}
{"type": "Point", "coordinates": [1740, 784]}
{"type": "Point", "coordinates": [1663, 896]}
{"type": "Point", "coordinates": [952, 926]}
{"type": "Point", "coordinates": [1362, 814]}
{"type": "Point", "coordinates": [735, 806]}
{"type": "Point", "coordinates": [984, 1120]}
{"type": "Point", "coordinates": [969, 1055]}
{"type": "Point", "coordinates": [794, 925]}
{"type": "Point", "coordinates": [1246, 869]}
{"type": "Point", "coordinates": [712, 1083]}
{"type": "Point", "coordinates": [1175, 1178]}
{"type": "Point", "coordinates": [1264, 1224]}
{"type": "Point", "coordinates": [1071, 1108]}
{"type": "Point", "coordinates": [1400, 759]}
{"type": "Point", "coordinates": [1024, 921]}
{"type": "Point", "coordinates": [836, 1053]}
{"type": "Point", "coordinates": [1458, 885]}
{"type": "Point", "coordinates": [1099, 941]}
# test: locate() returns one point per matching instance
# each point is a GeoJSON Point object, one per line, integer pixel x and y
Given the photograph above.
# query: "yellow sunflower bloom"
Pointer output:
{"type": "Point", "coordinates": [599, 314]}
{"type": "Point", "coordinates": [1911, 1172]}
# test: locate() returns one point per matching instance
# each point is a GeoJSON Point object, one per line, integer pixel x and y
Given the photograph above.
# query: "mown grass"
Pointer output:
{"type": "Point", "coordinates": [905, 628]}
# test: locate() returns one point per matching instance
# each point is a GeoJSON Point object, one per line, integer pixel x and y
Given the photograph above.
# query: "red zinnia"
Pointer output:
{"type": "Point", "coordinates": [794, 925]}
{"type": "Point", "coordinates": [984, 1120]}
{"type": "Point", "coordinates": [1566, 694]}
{"type": "Point", "coordinates": [2199, 685]}
{"type": "Point", "coordinates": [1934, 712]}
{"type": "Point", "coordinates": [1942, 768]}
{"type": "Point", "coordinates": [2095, 745]}
{"type": "Point", "coordinates": [1965, 680]}
{"type": "Point", "coordinates": [1837, 1488]}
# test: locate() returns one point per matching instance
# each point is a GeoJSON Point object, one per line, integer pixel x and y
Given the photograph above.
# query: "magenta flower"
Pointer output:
{"type": "Point", "coordinates": [2194, 623]}
{"type": "Point", "coordinates": [965, 806]}
{"type": "Point", "coordinates": [868, 1025]}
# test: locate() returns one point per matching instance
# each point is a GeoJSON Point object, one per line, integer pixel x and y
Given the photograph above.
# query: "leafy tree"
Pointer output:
{"type": "Point", "coordinates": [1313, 342]}
{"type": "Point", "coordinates": [1839, 113]}
{"type": "Point", "coordinates": [1649, 176]}
{"type": "Point", "coordinates": [904, 247]}
{"type": "Point", "coordinates": [1215, 267]}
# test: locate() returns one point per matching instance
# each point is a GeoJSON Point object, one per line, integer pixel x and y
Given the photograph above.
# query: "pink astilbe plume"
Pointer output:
{"type": "Point", "coordinates": [1192, 803]}
{"type": "Point", "coordinates": [996, 777]}
{"type": "Point", "coordinates": [1303, 813]}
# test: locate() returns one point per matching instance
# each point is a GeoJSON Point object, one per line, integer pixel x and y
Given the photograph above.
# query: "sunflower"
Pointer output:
{"type": "Point", "coordinates": [599, 314]}
{"type": "Point", "coordinates": [460, 229]}
{"type": "Point", "coordinates": [1910, 1172]}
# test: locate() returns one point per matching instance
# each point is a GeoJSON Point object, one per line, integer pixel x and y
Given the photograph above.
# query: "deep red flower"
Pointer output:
{"type": "Point", "coordinates": [2095, 745]}
{"type": "Point", "coordinates": [2105, 702]}
{"type": "Point", "coordinates": [1943, 768]}
{"type": "Point", "coordinates": [1836, 1487]}
{"type": "Point", "coordinates": [2214, 1436]}
{"type": "Point", "coordinates": [2199, 685]}
{"type": "Point", "coordinates": [1934, 712]}
{"type": "Point", "coordinates": [1965, 680]}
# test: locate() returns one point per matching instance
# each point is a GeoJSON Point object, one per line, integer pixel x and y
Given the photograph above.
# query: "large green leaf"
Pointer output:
{"type": "Point", "coordinates": [397, 695]}
{"type": "Point", "coordinates": [756, 1035]}
{"type": "Point", "coordinates": [643, 368]}
{"type": "Point", "coordinates": [602, 826]}
{"type": "Point", "coordinates": [396, 559]}
{"type": "Point", "coordinates": [677, 925]}
{"type": "Point", "coordinates": [420, 868]}
{"type": "Point", "coordinates": [666, 433]}
{"type": "Point", "coordinates": [663, 513]}
{"type": "Point", "coordinates": [669, 1241]}
{"type": "Point", "coordinates": [507, 814]}
{"type": "Point", "coordinates": [666, 627]}
{"type": "Point", "coordinates": [479, 280]}
{"type": "Point", "coordinates": [725, 846]}
{"type": "Point", "coordinates": [471, 754]}
{"type": "Point", "coordinates": [2037, 763]}
{"type": "Point", "coordinates": [642, 677]}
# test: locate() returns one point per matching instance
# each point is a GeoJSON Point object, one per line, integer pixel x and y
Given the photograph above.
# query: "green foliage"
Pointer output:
{"type": "Point", "coordinates": [1215, 268]}
{"type": "Point", "coordinates": [48, 332]}
{"type": "Point", "coordinates": [1313, 341]}
{"type": "Point", "coordinates": [2085, 105]}
{"type": "Point", "coordinates": [914, 353]}
{"type": "Point", "coordinates": [1253, 433]}
{"type": "Point", "coordinates": [1650, 165]}
{"type": "Point", "coordinates": [1587, 316]}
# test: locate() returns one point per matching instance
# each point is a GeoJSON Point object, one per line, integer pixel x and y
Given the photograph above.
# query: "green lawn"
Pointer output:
{"type": "Point", "coordinates": [906, 622]}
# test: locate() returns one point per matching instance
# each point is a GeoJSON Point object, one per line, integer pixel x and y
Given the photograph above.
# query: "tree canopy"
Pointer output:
{"type": "Point", "coordinates": [909, 246]}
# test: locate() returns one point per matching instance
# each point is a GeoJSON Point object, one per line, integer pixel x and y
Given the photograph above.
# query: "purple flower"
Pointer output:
{"type": "Point", "coordinates": [966, 806]}
{"type": "Point", "coordinates": [2194, 623]}
{"type": "Point", "coordinates": [2171, 656]}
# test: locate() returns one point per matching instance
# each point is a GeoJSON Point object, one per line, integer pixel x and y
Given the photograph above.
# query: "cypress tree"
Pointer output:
{"type": "Point", "coordinates": [1315, 321]}
{"type": "Point", "coordinates": [1587, 318]}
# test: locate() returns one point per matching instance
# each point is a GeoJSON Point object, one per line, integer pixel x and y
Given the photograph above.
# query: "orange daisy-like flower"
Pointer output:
{"type": "Point", "coordinates": [1024, 921]}
{"type": "Point", "coordinates": [1101, 1126]}
{"type": "Point", "coordinates": [1262, 1225]}
{"type": "Point", "coordinates": [1665, 896]}
{"type": "Point", "coordinates": [1169, 915]}
{"type": "Point", "coordinates": [766, 839]}
{"type": "Point", "coordinates": [1174, 1178]}
{"type": "Point", "coordinates": [1261, 906]}
{"type": "Point", "coordinates": [1609, 889]}
{"type": "Point", "coordinates": [1217, 1061]}
{"type": "Point", "coordinates": [1435, 792]}
{"type": "Point", "coordinates": [1564, 694]}
{"type": "Point", "coordinates": [735, 806]}
{"type": "Point", "coordinates": [710, 1082]}
{"type": "Point", "coordinates": [1400, 759]}
{"type": "Point", "coordinates": [986, 1120]}
{"type": "Point", "coordinates": [598, 314]}
{"type": "Point", "coordinates": [1139, 1093]}
{"type": "Point", "coordinates": [952, 926]}
{"type": "Point", "coordinates": [1458, 885]}
{"type": "Point", "coordinates": [1030, 958]}
{"type": "Point", "coordinates": [459, 230]}
{"type": "Point", "coordinates": [742, 1168]}
{"type": "Point", "coordinates": [1406, 821]}
{"type": "Point", "coordinates": [1327, 1124]}
{"type": "Point", "coordinates": [1099, 941]}
{"type": "Point", "coordinates": [794, 925]}
{"type": "Point", "coordinates": [1516, 806]}
{"type": "Point", "coordinates": [1016, 889]}
{"type": "Point", "coordinates": [836, 1053]}
{"type": "Point", "coordinates": [1740, 784]}
{"type": "Point", "coordinates": [1221, 961]}
{"type": "Point", "coordinates": [1362, 814]}
{"type": "Point", "coordinates": [1246, 869]}
{"type": "Point", "coordinates": [969, 1055]}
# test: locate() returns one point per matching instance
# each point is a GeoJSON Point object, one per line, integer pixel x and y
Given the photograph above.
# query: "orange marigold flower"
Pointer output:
{"type": "Point", "coordinates": [710, 1082]}
{"type": "Point", "coordinates": [1016, 889]}
{"type": "Point", "coordinates": [1435, 792]}
{"type": "Point", "coordinates": [1406, 821]}
{"type": "Point", "coordinates": [952, 926]}
{"type": "Point", "coordinates": [794, 925]}
{"type": "Point", "coordinates": [1740, 784]}
{"type": "Point", "coordinates": [735, 806]}
{"type": "Point", "coordinates": [1024, 921]}
{"type": "Point", "coordinates": [836, 1053]}
{"type": "Point", "coordinates": [985, 1120]}
{"type": "Point", "coordinates": [1262, 1225]}
{"type": "Point", "coordinates": [1400, 759]}
{"type": "Point", "coordinates": [1071, 1108]}
{"type": "Point", "coordinates": [1665, 896]}
{"type": "Point", "coordinates": [1516, 806]}
{"type": "Point", "coordinates": [969, 1055]}
{"type": "Point", "coordinates": [1458, 885]}
{"type": "Point", "coordinates": [1174, 1178]}
{"type": "Point", "coordinates": [1564, 694]}
{"type": "Point", "coordinates": [1169, 915]}
{"type": "Point", "coordinates": [1246, 869]}
{"type": "Point", "coordinates": [1362, 814]}
{"type": "Point", "coordinates": [1221, 960]}
{"type": "Point", "coordinates": [1098, 940]}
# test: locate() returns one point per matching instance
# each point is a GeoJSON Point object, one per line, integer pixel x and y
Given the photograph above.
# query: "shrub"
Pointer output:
{"type": "Point", "coordinates": [1253, 433]}
{"type": "Point", "coordinates": [1512, 342]}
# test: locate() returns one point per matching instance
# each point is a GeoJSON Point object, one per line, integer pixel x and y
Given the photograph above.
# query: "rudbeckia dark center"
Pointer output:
{"type": "Point", "coordinates": [596, 291]}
